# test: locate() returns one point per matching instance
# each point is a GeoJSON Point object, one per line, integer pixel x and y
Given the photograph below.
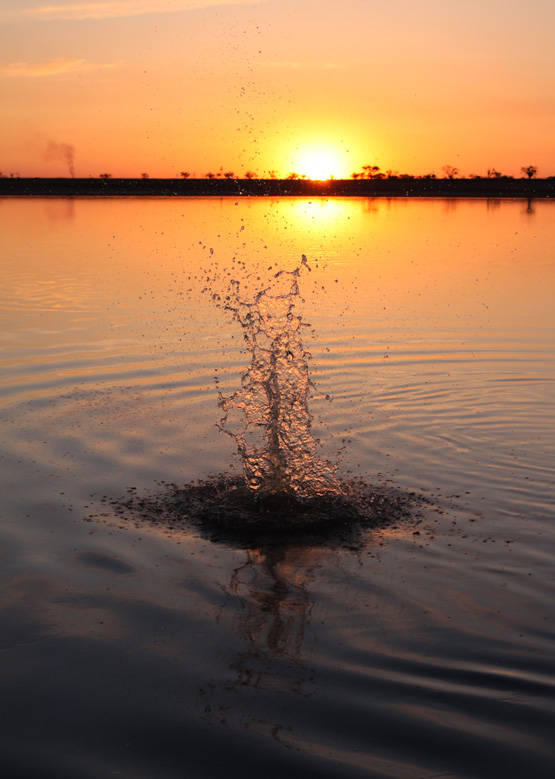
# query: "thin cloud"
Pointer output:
{"type": "Point", "coordinates": [53, 67]}
{"type": "Point", "coordinates": [294, 65]}
{"type": "Point", "coordinates": [111, 9]}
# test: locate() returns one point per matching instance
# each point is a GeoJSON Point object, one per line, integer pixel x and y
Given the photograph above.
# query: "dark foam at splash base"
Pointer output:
{"type": "Point", "coordinates": [288, 492]}
{"type": "Point", "coordinates": [224, 510]}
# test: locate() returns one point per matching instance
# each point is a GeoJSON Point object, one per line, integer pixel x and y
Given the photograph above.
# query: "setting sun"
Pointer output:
{"type": "Point", "coordinates": [319, 163]}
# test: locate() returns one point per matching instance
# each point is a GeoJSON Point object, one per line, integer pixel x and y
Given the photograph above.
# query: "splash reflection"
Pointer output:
{"type": "Point", "coordinates": [271, 606]}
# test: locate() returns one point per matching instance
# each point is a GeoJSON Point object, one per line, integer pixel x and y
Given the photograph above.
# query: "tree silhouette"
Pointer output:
{"type": "Point", "coordinates": [250, 174]}
{"type": "Point", "coordinates": [145, 176]}
{"type": "Point", "coordinates": [450, 171]}
{"type": "Point", "coordinates": [105, 176]}
{"type": "Point", "coordinates": [371, 172]}
{"type": "Point", "coordinates": [272, 174]}
{"type": "Point", "coordinates": [493, 174]}
{"type": "Point", "coordinates": [209, 175]}
{"type": "Point", "coordinates": [229, 175]}
{"type": "Point", "coordinates": [530, 171]}
{"type": "Point", "coordinates": [293, 176]}
{"type": "Point", "coordinates": [184, 174]}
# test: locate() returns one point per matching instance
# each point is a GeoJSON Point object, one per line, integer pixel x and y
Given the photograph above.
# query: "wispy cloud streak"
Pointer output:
{"type": "Point", "coordinates": [53, 67]}
{"type": "Point", "coordinates": [111, 9]}
{"type": "Point", "coordinates": [295, 65]}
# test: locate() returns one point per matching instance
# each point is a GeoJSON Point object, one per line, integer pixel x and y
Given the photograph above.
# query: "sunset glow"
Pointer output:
{"type": "Point", "coordinates": [274, 87]}
{"type": "Point", "coordinates": [320, 163]}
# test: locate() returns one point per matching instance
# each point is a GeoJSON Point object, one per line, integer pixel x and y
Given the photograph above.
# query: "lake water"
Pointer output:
{"type": "Point", "coordinates": [426, 649]}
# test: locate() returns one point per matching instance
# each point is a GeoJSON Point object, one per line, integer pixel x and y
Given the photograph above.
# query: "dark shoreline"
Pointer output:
{"type": "Point", "coordinates": [392, 187]}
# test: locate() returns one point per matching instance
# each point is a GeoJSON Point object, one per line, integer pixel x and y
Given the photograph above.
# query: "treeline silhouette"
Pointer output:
{"type": "Point", "coordinates": [366, 173]}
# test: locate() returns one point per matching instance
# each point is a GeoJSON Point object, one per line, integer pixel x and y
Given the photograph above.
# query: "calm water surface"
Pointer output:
{"type": "Point", "coordinates": [141, 652]}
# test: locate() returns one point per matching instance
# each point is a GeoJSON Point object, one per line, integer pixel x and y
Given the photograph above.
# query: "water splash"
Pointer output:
{"type": "Point", "coordinates": [273, 433]}
{"type": "Point", "coordinates": [288, 495]}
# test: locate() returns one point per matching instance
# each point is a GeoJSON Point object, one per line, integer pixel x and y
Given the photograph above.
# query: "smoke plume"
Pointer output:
{"type": "Point", "coordinates": [61, 151]}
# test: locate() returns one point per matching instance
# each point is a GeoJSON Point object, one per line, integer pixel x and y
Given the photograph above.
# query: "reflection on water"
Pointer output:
{"type": "Point", "coordinates": [271, 585]}
{"type": "Point", "coordinates": [271, 604]}
{"type": "Point", "coordinates": [59, 209]}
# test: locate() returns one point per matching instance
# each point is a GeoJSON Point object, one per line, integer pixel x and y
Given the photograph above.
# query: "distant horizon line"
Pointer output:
{"type": "Point", "coordinates": [506, 187]}
{"type": "Point", "coordinates": [298, 178]}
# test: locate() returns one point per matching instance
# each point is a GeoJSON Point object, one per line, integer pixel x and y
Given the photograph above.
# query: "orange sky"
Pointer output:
{"type": "Point", "coordinates": [163, 86]}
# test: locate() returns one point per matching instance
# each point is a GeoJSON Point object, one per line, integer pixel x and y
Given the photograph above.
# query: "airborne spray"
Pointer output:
{"type": "Point", "coordinates": [273, 397]}
{"type": "Point", "coordinates": [61, 151]}
{"type": "Point", "coordinates": [286, 494]}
